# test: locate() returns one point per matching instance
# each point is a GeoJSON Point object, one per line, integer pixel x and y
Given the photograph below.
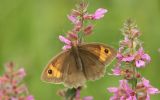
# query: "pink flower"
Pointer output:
{"type": "Point", "coordinates": [145, 89]}
{"type": "Point", "coordinates": [21, 72]}
{"type": "Point", "coordinates": [88, 30]}
{"type": "Point", "coordinates": [126, 42]}
{"type": "Point", "coordinates": [119, 56]}
{"type": "Point", "coordinates": [30, 97]}
{"type": "Point", "coordinates": [66, 47]}
{"type": "Point", "coordinates": [72, 35]}
{"type": "Point", "coordinates": [77, 95]}
{"type": "Point", "coordinates": [3, 79]}
{"type": "Point", "coordinates": [66, 41]}
{"type": "Point", "coordinates": [73, 19]}
{"type": "Point", "coordinates": [123, 92]}
{"type": "Point", "coordinates": [116, 71]}
{"type": "Point", "coordinates": [99, 13]}
{"type": "Point", "coordinates": [135, 32]}
{"type": "Point", "coordinates": [128, 58]}
{"type": "Point", "coordinates": [13, 98]}
{"type": "Point", "coordinates": [141, 58]}
{"type": "Point", "coordinates": [150, 89]}
{"type": "Point", "coordinates": [112, 89]}
{"type": "Point", "coordinates": [140, 63]}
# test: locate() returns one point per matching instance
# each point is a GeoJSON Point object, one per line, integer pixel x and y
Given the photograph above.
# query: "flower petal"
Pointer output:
{"type": "Point", "coordinates": [119, 56]}
{"type": "Point", "coordinates": [73, 19]}
{"type": "Point", "coordinates": [116, 71]}
{"type": "Point", "coordinates": [145, 82]}
{"type": "Point", "coordinates": [65, 40]}
{"type": "Point", "coordinates": [153, 90]}
{"type": "Point", "coordinates": [30, 97]}
{"type": "Point", "coordinates": [21, 72]}
{"type": "Point", "coordinates": [128, 58]}
{"type": "Point", "coordinates": [146, 57]}
{"type": "Point", "coordinates": [66, 47]}
{"type": "Point", "coordinates": [140, 63]}
{"type": "Point", "coordinates": [99, 13]}
{"type": "Point", "coordinates": [112, 89]}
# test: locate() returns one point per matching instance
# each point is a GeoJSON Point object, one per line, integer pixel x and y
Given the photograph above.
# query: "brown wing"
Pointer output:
{"type": "Point", "coordinates": [74, 77]}
{"type": "Point", "coordinates": [55, 72]}
{"type": "Point", "coordinates": [95, 57]}
{"type": "Point", "coordinates": [63, 69]}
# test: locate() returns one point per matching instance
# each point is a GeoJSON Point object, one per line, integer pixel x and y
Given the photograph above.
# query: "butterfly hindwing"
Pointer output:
{"type": "Point", "coordinates": [95, 57]}
{"type": "Point", "coordinates": [92, 68]}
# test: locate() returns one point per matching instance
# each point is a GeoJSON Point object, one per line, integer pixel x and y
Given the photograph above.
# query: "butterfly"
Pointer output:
{"type": "Point", "coordinates": [73, 67]}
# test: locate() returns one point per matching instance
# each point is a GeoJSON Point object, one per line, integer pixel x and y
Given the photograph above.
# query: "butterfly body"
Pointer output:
{"type": "Point", "coordinates": [78, 60]}
{"type": "Point", "coordinates": [80, 63]}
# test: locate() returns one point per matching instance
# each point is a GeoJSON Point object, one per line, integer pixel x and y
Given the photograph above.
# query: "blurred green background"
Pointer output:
{"type": "Point", "coordinates": [29, 32]}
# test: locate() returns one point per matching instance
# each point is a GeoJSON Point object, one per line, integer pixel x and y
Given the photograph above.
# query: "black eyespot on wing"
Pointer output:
{"type": "Point", "coordinates": [49, 71]}
{"type": "Point", "coordinates": [106, 50]}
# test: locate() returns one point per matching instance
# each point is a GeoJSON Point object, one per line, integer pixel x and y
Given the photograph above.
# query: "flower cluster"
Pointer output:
{"type": "Point", "coordinates": [80, 17]}
{"type": "Point", "coordinates": [125, 92]}
{"type": "Point", "coordinates": [131, 57]}
{"type": "Point", "coordinates": [11, 87]}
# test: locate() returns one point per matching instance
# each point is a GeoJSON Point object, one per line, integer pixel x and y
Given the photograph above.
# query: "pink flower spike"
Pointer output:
{"type": "Point", "coordinates": [99, 13]}
{"type": "Point", "coordinates": [65, 40]}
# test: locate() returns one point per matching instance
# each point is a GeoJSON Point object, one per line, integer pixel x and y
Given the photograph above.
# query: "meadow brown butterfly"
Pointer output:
{"type": "Point", "coordinates": [82, 62]}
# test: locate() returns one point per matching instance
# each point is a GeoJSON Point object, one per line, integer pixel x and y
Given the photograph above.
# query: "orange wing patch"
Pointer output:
{"type": "Point", "coordinates": [104, 53]}
{"type": "Point", "coordinates": [54, 72]}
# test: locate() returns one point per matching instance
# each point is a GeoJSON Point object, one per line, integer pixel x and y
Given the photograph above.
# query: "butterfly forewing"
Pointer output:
{"type": "Point", "coordinates": [55, 72]}
{"type": "Point", "coordinates": [63, 69]}
{"type": "Point", "coordinates": [95, 57]}
{"type": "Point", "coordinates": [104, 53]}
